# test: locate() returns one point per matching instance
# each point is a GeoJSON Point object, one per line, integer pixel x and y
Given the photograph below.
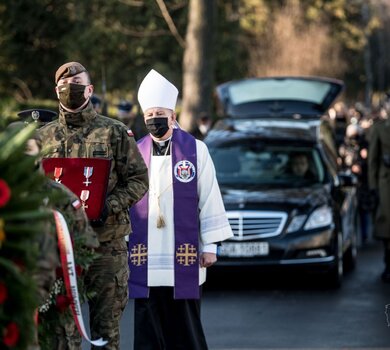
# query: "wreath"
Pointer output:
{"type": "Point", "coordinates": [24, 214]}
{"type": "Point", "coordinates": [22, 218]}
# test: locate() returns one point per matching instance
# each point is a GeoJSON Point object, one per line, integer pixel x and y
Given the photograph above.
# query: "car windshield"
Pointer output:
{"type": "Point", "coordinates": [254, 164]}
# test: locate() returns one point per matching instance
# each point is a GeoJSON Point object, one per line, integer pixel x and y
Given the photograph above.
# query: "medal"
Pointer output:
{"type": "Point", "coordinates": [57, 174]}
{"type": "Point", "coordinates": [88, 171]}
{"type": "Point", "coordinates": [84, 197]}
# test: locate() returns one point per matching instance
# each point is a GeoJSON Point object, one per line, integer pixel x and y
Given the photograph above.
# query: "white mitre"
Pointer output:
{"type": "Point", "coordinates": [157, 91]}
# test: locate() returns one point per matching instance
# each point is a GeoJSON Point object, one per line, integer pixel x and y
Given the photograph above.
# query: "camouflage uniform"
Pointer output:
{"type": "Point", "coordinates": [66, 337]}
{"type": "Point", "coordinates": [48, 259]}
{"type": "Point", "coordinates": [86, 134]}
{"type": "Point", "coordinates": [44, 275]}
{"type": "Point", "coordinates": [47, 262]}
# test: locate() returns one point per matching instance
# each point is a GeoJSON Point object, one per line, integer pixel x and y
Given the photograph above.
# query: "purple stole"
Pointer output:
{"type": "Point", "coordinates": [186, 222]}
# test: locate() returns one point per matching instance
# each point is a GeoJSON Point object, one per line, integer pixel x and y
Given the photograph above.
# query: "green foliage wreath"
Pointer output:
{"type": "Point", "coordinates": [22, 216]}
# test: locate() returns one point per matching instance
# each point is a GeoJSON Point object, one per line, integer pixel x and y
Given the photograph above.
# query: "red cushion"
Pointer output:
{"type": "Point", "coordinates": [72, 176]}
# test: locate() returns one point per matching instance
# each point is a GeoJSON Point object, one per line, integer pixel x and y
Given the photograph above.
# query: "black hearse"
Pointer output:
{"type": "Point", "coordinates": [276, 164]}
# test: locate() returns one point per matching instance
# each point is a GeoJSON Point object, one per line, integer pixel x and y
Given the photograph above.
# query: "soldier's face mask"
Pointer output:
{"type": "Point", "coordinates": [72, 95]}
{"type": "Point", "coordinates": [158, 127]}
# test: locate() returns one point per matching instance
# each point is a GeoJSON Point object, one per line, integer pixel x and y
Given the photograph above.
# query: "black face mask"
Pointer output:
{"type": "Point", "coordinates": [158, 127]}
{"type": "Point", "coordinates": [72, 95]}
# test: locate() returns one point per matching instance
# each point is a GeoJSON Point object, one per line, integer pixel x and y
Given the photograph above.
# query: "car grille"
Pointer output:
{"type": "Point", "coordinates": [247, 225]}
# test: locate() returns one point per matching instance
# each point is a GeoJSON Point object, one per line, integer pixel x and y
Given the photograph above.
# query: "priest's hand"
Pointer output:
{"type": "Point", "coordinates": [207, 259]}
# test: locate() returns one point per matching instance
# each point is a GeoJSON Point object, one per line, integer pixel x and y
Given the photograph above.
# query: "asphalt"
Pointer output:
{"type": "Point", "coordinates": [276, 310]}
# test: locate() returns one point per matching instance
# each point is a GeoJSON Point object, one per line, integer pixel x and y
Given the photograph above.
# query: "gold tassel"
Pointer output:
{"type": "Point", "coordinates": [160, 221]}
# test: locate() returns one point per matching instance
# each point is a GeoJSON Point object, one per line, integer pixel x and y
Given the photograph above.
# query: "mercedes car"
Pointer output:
{"type": "Point", "coordinates": [276, 163]}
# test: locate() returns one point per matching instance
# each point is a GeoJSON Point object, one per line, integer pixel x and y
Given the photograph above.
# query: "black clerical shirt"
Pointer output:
{"type": "Point", "coordinates": [160, 148]}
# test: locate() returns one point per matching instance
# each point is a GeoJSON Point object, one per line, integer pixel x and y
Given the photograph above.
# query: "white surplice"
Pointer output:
{"type": "Point", "coordinates": [213, 223]}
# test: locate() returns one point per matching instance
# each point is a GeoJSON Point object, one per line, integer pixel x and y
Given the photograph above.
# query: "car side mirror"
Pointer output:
{"type": "Point", "coordinates": [347, 180]}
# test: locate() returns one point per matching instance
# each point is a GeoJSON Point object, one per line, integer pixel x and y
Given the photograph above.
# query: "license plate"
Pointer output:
{"type": "Point", "coordinates": [244, 249]}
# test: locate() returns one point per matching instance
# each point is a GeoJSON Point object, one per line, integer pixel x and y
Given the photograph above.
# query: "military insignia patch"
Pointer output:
{"type": "Point", "coordinates": [184, 171]}
{"type": "Point", "coordinates": [35, 115]}
{"type": "Point", "coordinates": [129, 132]}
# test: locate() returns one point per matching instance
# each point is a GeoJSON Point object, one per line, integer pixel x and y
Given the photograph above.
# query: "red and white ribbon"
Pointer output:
{"type": "Point", "coordinates": [70, 277]}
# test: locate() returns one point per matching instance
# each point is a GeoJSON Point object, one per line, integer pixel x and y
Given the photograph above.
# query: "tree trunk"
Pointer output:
{"type": "Point", "coordinates": [367, 57]}
{"type": "Point", "coordinates": [197, 62]}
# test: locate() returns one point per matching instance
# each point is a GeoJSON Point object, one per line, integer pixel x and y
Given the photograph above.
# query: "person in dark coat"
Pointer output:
{"type": "Point", "coordinates": [97, 104]}
{"type": "Point", "coordinates": [300, 167]}
{"type": "Point", "coordinates": [354, 155]}
{"type": "Point", "coordinates": [133, 121]}
{"type": "Point", "coordinates": [204, 124]}
{"type": "Point", "coordinates": [379, 182]}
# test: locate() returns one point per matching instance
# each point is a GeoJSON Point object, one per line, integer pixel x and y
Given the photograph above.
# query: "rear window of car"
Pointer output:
{"type": "Point", "coordinates": [274, 89]}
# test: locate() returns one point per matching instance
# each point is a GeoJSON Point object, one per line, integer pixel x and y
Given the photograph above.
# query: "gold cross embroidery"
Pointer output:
{"type": "Point", "coordinates": [186, 254]}
{"type": "Point", "coordinates": [138, 255]}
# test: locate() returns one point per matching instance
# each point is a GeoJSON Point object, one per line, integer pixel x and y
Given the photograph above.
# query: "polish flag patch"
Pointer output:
{"type": "Point", "coordinates": [76, 204]}
{"type": "Point", "coordinates": [129, 132]}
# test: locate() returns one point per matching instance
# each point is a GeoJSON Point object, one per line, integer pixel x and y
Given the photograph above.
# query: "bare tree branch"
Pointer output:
{"type": "Point", "coordinates": [144, 34]}
{"type": "Point", "coordinates": [171, 25]}
{"type": "Point", "coordinates": [22, 93]}
{"type": "Point", "coordinates": [116, 27]}
{"type": "Point", "coordinates": [133, 3]}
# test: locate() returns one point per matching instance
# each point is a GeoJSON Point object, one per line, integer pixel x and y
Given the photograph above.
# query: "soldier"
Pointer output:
{"type": "Point", "coordinates": [40, 116]}
{"type": "Point", "coordinates": [48, 261]}
{"type": "Point", "coordinates": [131, 120]}
{"type": "Point", "coordinates": [80, 132]}
{"type": "Point", "coordinates": [379, 182]}
{"type": "Point", "coordinates": [66, 336]}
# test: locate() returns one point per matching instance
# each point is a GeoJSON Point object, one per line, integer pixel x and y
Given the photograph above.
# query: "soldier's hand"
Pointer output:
{"type": "Point", "coordinates": [207, 259]}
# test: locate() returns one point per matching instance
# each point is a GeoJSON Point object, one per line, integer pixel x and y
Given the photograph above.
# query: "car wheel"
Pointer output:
{"type": "Point", "coordinates": [335, 274]}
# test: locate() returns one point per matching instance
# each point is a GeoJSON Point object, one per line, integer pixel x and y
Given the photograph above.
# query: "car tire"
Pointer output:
{"type": "Point", "coordinates": [335, 274]}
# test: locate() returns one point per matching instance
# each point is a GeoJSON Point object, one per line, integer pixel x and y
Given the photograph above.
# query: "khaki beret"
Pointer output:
{"type": "Point", "coordinates": [69, 70]}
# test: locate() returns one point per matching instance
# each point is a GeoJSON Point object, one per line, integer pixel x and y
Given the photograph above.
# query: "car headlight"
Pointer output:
{"type": "Point", "coordinates": [296, 223]}
{"type": "Point", "coordinates": [320, 217]}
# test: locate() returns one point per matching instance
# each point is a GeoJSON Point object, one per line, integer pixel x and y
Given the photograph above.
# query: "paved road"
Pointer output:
{"type": "Point", "coordinates": [284, 311]}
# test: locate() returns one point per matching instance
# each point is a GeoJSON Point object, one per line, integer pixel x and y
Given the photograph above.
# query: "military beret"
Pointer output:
{"type": "Point", "coordinates": [41, 115]}
{"type": "Point", "coordinates": [69, 70]}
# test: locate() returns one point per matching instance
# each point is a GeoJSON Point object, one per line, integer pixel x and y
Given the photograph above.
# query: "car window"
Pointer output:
{"type": "Point", "coordinates": [278, 89]}
{"type": "Point", "coordinates": [257, 164]}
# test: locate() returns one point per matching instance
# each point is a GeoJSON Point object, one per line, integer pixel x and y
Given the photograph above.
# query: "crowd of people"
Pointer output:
{"type": "Point", "coordinates": [364, 150]}
{"type": "Point", "coordinates": [124, 111]}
